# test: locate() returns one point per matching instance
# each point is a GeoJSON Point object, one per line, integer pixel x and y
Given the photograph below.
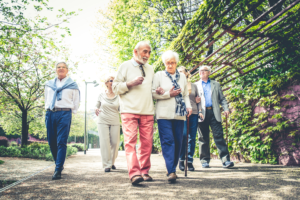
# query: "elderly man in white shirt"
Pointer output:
{"type": "Point", "coordinates": [62, 98]}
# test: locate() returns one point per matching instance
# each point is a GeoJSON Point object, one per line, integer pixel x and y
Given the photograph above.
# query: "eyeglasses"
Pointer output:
{"type": "Point", "coordinates": [170, 63]}
{"type": "Point", "coordinates": [110, 81]}
{"type": "Point", "coordinates": [142, 69]}
{"type": "Point", "coordinates": [63, 67]}
{"type": "Point", "coordinates": [204, 70]}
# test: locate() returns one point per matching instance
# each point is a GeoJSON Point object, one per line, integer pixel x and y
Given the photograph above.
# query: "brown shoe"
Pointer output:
{"type": "Point", "coordinates": [172, 177]}
{"type": "Point", "coordinates": [136, 179]}
{"type": "Point", "coordinates": [146, 177]}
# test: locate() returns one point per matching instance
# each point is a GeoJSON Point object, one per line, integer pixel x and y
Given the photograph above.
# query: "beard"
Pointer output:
{"type": "Point", "coordinates": [141, 59]}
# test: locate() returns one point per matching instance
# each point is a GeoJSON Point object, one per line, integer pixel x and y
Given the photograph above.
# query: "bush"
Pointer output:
{"type": "Point", "coordinates": [35, 150]}
{"type": "Point", "coordinates": [79, 146]}
{"type": "Point", "coordinates": [1, 162]}
{"type": "Point", "coordinates": [13, 144]}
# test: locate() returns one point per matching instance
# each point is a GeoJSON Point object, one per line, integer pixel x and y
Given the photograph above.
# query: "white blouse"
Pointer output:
{"type": "Point", "coordinates": [70, 97]}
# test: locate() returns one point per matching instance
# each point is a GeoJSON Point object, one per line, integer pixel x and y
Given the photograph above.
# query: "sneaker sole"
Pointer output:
{"type": "Point", "coordinates": [228, 166]}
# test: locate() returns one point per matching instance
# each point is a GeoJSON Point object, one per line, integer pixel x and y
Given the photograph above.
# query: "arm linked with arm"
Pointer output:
{"type": "Point", "coordinates": [155, 85]}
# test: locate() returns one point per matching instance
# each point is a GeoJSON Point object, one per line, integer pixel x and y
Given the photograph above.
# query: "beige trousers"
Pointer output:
{"type": "Point", "coordinates": [109, 136]}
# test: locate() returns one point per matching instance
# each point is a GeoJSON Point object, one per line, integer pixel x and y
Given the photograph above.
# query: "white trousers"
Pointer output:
{"type": "Point", "coordinates": [109, 136]}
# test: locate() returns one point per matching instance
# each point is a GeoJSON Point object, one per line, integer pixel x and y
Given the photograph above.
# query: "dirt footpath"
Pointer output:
{"type": "Point", "coordinates": [84, 178]}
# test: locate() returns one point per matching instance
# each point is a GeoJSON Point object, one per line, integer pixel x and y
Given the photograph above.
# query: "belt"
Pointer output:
{"type": "Point", "coordinates": [209, 108]}
{"type": "Point", "coordinates": [59, 109]}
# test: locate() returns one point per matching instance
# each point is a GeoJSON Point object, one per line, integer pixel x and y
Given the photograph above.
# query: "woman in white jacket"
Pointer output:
{"type": "Point", "coordinates": [171, 110]}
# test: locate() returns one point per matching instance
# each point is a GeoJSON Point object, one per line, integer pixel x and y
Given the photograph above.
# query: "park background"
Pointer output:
{"type": "Point", "coordinates": [252, 46]}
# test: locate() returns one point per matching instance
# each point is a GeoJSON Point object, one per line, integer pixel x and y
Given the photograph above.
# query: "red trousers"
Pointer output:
{"type": "Point", "coordinates": [137, 165]}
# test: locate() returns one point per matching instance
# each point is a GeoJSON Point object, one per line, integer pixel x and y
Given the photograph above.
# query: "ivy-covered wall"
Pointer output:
{"type": "Point", "coordinates": [287, 143]}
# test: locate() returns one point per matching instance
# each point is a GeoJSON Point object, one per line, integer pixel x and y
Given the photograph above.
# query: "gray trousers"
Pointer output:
{"type": "Point", "coordinates": [109, 136]}
{"type": "Point", "coordinates": [204, 147]}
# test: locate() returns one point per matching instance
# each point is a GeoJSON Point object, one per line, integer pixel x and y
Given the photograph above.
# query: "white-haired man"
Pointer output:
{"type": "Point", "coordinates": [210, 115]}
{"type": "Point", "coordinates": [61, 99]}
{"type": "Point", "coordinates": [133, 84]}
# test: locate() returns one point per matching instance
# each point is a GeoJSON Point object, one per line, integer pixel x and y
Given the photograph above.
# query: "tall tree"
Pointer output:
{"type": "Point", "coordinates": [27, 55]}
{"type": "Point", "coordinates": [158, 21]}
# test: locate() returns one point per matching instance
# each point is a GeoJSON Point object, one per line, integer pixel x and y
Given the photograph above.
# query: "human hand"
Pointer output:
{"type": "Point", "coordinates": [201, 116]}
{"type": "Point", "coordinates": [173, 92]}
{"type": "Point", "coordinates": [159, 91]}
{"type": "Point", "coordinates": [226, 113]}
{"type": "Point", "coordinates": [189, 111]}
{"type": "Point", "coordinates": [198, 99]}
{"type": "Point", "coordinates": [137, 81]}
{"type": "Point", "coordinates": [97, 111]}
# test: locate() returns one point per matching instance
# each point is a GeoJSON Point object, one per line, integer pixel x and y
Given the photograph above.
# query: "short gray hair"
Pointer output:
{"type": "Point", "coordinates": [208, 67]}
{"type": "Point", "coordinates": [137, 46]}
{"type": "Point", "coordinates": [170, 54]}
{"type": "Point", "coordinates": [60, 63]}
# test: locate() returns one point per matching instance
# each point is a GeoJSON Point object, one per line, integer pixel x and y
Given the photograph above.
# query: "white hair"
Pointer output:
{"type": "Point", "coordinates": [170, 54]}
{"type": "Point", "coordinates": [137, 46]}
{"type": "Point", "coordinates": [63, 63]}
{"type": "Point", "coordinates": [208, 67]}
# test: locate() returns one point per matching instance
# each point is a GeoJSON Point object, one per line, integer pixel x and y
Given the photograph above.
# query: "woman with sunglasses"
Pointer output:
{"type": "Point", "coordinates": [107, 110]}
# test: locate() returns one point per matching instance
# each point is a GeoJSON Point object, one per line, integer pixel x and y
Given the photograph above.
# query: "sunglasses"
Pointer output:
{"type": "Point", "coordinates": [110, 81]}
{"type": "Point", "coordinates": [142, 69]}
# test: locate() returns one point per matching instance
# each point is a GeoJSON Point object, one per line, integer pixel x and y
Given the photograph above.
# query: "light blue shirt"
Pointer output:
{"type": "Point", "coordinates": [207, 93]}
{"type": "Point", "coordinates": [134, 62]}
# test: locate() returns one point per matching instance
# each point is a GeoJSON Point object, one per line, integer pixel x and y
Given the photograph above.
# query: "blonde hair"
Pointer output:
{"type": "Point", "coordinates": [188, 74]}
{"type": "Point", "coordinates": [108, 78]}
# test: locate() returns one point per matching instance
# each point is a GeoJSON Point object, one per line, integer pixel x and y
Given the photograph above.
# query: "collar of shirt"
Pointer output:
{"type": "Point", "coordinates": [134, 62]}
{"type": "Point", "coordinates": [208, 81]}
{"type": "Point", "coordinates": [61, 82]}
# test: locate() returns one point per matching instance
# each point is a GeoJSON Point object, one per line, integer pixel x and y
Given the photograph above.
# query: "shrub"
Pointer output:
{"type": "Point", "coordinates": [35, 150]}
{"type": "Point", "coordinates": [1, 162]}
{"type": "Point", "coordinates": [13, 144]}
{"type": "Point", "coordinates": [79, 146]}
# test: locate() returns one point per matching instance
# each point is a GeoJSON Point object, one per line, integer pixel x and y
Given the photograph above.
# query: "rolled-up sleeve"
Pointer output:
{"type": "Point", "coordinates": [119, 84]}
{"type": "Point", "coordinates": [186, 96]}
{"type": "Point", "coordinates": [76, 100]}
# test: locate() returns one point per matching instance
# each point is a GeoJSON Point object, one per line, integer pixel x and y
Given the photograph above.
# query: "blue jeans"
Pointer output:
{"type": "Point", "coordinates": [193, 122]}
{"type": "Point", "coordinates": [170, 133]}
{"type": "Point", "coordinates": [58, 128]}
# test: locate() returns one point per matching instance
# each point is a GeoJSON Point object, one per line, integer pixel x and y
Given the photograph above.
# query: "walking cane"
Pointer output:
{"type": "Point", "coordinates": [226, 129]}
{"type": "Point", "coordinates": [187, 144]}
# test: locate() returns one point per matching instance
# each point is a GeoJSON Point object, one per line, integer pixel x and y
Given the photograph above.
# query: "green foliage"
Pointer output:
{"type": "Point", "coordinates": [78, 146]}
{"type": "Point", "coordinates": [1, 162]}
{"type": "Point", "coordinates": [13, 144]}
{"type": "Point", "coordinates": [156, 140]}
{"type": "Point", "coordinates": [35, 150]}
{"type": "Point", "coordinates": [27, 56]}
{"type": "Point", "coordinates": [130, 21]}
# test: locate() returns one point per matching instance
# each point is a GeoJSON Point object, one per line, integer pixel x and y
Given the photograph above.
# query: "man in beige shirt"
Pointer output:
{"type": "Point", "coordinates": [133, 84]}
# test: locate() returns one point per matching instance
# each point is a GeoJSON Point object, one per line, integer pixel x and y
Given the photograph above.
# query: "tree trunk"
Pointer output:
{"type": "Point", "coordinates": [24, 128]}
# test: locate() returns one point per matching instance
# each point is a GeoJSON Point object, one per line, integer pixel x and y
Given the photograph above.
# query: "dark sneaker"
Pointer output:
{"type": "Point", "coordinates": [228, 164]}
{"type": "Point", "coordinates": [113, 167]}
{"type": "Point", "coordinates": [181, 165]}
{"type": "Point", "coordinates": [191, 167]}
{"type": "Point", "coordinates": [205, 165]}
{"type": "Point", "coordinates": [107, 170]}
{"type": "Point", "coordinates": [56, 175]}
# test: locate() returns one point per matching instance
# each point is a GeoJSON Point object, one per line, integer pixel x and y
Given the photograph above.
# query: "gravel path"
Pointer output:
{"type": "Point", "coordinates": [84, 178]}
